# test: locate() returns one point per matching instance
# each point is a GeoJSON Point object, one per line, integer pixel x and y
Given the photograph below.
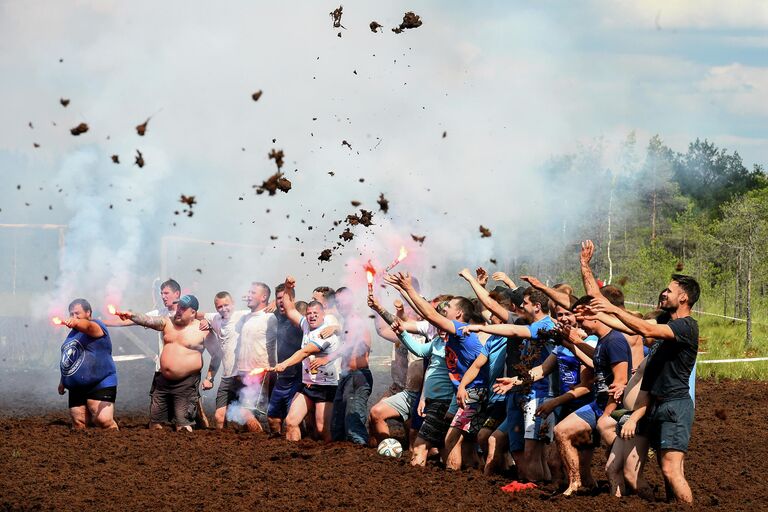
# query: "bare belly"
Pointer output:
{"type": "Point", "coordinates": [356, 363]}
{"type": "Point", "coordinates": [178, 362]}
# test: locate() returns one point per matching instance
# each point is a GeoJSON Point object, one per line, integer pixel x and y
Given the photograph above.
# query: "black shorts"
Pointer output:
{"type": "Point", "coordinates": [670, 423]}
{"type": "Point", "coordinates": [436, 422]}
{"type": "Point", "coordinates": [79, 396]}
{"type": "Point", "coordinates": [176, 399]}
{"type": "Point", "coordinates": [494, 415]}
{"type": "Point", "coordinates": [318, 393]}
{"type": "Point", "coordinates": [229, 391]}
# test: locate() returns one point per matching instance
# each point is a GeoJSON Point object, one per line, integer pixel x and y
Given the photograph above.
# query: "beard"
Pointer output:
{"type": "Point", "coordinates": [178, 321]}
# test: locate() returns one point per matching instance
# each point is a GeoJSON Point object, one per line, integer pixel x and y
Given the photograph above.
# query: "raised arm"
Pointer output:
{"type": "Point", "coordinates": [484, 297]}
{"type": "Point", "coordinates": [296, 357]}
{"type": "Point", "coordinates": [591, 287]}
{"type": "Point", "coordinates": [290, 304]}
{"type": "Point", "coordinates": [150, 322]}
{"type": "Point", "coordinates": [559, 297]}
{"type": "Point", "coordinates": [504, 278]}
{"type": "Point", "coordinates": [422, 306]}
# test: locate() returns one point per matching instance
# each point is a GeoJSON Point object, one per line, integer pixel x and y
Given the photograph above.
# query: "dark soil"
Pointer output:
{"type": "Point", "coordinates": [46, 466]}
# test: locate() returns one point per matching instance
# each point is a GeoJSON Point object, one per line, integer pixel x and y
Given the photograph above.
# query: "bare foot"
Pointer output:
{"type": "Point", "coordinates": [253, 425]}
{"type": "Point", "coordinates": [572, 488]}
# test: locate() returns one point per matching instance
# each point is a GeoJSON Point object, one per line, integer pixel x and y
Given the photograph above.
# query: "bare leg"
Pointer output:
{"type": "Point", "coordinates": [452, 450]}
{"type": "Point", "coordinates": [377, 421]}
{"type": "Point", "coordinates": [672, 468]}
{"type": "Point", "coordinates": [555, 465]}
{"type": "Point", "coordinates": [614, 467]}
{"type": "Point", "coordinates": [569, 433]}
{"type": "Point", "coordinates": [79, 417]}
{"type": "Point", "coordinates": [220, 417]}
{"type": "Point", "coordinates": [419, 452]}
{"type": "Point", "coordinates": [534, 454]}
{"type": "Point", "coordinates": [102, 414]}
{"type": "Point", "coordinates": [497, 444]}
{"type": "Point", "coordinates": [275, 425]}
{"type": "Point", "coordinates": [300, 406]}
{"type": "Point", "coordinates": [585, 468]}
{"type": "Point", "coordinates": [635, 455]}
{"type": "Point", "coordinates": [323, 415]}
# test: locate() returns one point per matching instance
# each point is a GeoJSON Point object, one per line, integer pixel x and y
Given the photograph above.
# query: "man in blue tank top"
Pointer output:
{"type": "Point", "coordinates": [88, 371]}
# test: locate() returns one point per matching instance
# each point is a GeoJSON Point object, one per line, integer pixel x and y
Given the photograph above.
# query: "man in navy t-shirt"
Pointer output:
{"type": "Point", "coordinates": [88, 371]}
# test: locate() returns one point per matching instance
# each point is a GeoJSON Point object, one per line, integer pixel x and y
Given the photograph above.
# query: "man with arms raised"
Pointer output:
{"type": "Point", "coordinates": [176, 389]}
{"type": "Point", "coordinates": [318, 388]}
{"type": "Point", "coordinates": [88, 371]}
{"type": "Point", "coordinates": [666, 379]}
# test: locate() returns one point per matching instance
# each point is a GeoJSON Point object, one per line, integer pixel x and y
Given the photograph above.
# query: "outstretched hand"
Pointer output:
{"type": "Point", "coordinates": [290, 282]}
{"type": "Point", "coordinates": [482, 276]}
{"type": "Point", "coordinates": [401, 279]}
{"type": "Point", "coordinates": [534, 282]}
{"type": "Point", "coordinates": [123, 315]}
{"type": "Point", "coordinates": [504, 385]}
{"type": "Point", "coordinates": [465, 274]}
{"type": "Point", "coordinates": [601, 305]}
{"type": "Point", "coordinates": [587, 251]}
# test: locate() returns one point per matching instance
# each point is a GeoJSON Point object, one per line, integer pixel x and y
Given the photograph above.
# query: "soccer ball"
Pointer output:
{"type": "Point", "coordinates": [390, 448]}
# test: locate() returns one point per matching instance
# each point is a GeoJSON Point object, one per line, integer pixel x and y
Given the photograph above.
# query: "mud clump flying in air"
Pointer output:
{"type": "Point", "coordinates": [347, 235]}
{"type": "Point", "coordinates": [255, 96]}
{"type": "Point", "coordinates": [64, 102]}
{"type": "Point", "coordinates": [419, 239]}
{"type": "Point", "coordinates": [79, 129]}
{"type": "Point", "coordinates": [336, 16]}
{"type": "Point", "coordinates": [115, 159]}
{"type": "Point", "coordinates": [375, 26]}
{"type": "Point", "coordinates": [141, 129]}
{"type": "Point", "coordinates": [139, 159]}
{"type": "Point", "coordinates": [274, 183]}
{"type": "Point", "coordinates": [345, 143]}
{"type": "Point", "coordinates": [277, 156]}
{"type": "Point", "coordinates": [410, 20]}
{"type": "Point", "coordinates": [383, 203]}
{"type": "Point", "coordinates": [190, 202]}
{"type": "Point", "coordinates": [325, 255]}
{"type": "Point", "coordinates": [484, 232]}
{"type": "Point", "coordinates": [356, 203]}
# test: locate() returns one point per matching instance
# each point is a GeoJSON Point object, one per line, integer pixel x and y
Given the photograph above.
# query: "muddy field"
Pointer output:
{"type": "Point", "coordinates": [45, 466]}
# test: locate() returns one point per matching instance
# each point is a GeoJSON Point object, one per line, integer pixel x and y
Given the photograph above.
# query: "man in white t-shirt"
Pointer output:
{"type": "Point", "coordinates": [221, 343]}
{"type": "Point", "coordinates": [318, 387]}
{"type": "Point", "coordinates": [255, 352]}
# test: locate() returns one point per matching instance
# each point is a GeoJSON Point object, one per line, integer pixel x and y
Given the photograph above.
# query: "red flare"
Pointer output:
{"type": "Point", "coordinates": [112, 309]}
{"type": "Point", "coordinates": [400, 257]}
{"type": "Point", "coordinates": [257, 371]}
{"type": "Point", "coordinates": [369, 273]}
{"type": "Point", "coordinates": [56, 320]}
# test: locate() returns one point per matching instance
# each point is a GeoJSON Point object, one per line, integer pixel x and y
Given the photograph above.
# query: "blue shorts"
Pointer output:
{"type": "Point", "coordinates": [590, 413]}
{"type": "Point", "coordinates": [281, 398]}
{"type": "Point", "coordinates": [522, 422]}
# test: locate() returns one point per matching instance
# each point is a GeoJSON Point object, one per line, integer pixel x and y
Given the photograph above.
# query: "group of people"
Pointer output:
{"type": "Point", "coordinates": [533, 376]}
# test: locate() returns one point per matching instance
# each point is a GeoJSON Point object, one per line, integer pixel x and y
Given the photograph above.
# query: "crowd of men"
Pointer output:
{"type": "Point", "coordinates": [533, 377]}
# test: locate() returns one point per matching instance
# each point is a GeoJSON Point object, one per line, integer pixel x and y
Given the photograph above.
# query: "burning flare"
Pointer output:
{"type": "Point", "coordinates": [112, 309]}
{"type": "Point", "coordinates": [400, 257]}
{"type": "Point", "coordinates": [369, 273]}
{"type": "Point", "coordinates": [56, 320]}
{"type": "Point", "coordinates": [257, 371]}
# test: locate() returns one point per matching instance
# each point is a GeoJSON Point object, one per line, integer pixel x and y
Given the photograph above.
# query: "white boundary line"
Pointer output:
{"type": "Point", "coordinates": [748, 360]}
{"type": "Point", "coordinates": [698, 312]}
{"type": "Point", "coordinates": [129, 357]}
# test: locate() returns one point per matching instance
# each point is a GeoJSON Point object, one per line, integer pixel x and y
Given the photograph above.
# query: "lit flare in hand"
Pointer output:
{"type": "Point", "coordinates": [257, 371]}
{"type": "Point", "coordinates": [57, 321]}
{"type": "Point", "coordinates": [369, 273]}
{"type": "Point", "coordinates": [400, 257]}
{"type": "Point", "coordinates": [112, 309]}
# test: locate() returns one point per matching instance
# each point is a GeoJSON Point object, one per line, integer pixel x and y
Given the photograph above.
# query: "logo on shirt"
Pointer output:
{"type": "Point", "coordinates": [71, 357]}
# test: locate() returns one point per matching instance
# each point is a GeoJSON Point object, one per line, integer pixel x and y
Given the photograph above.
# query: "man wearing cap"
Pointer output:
{"type": "Point", "coordinates": [176, 388]}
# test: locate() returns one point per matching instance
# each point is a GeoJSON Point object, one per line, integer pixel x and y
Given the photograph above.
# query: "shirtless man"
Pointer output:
{"type": "Point", "coordinates": [180, 363]}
